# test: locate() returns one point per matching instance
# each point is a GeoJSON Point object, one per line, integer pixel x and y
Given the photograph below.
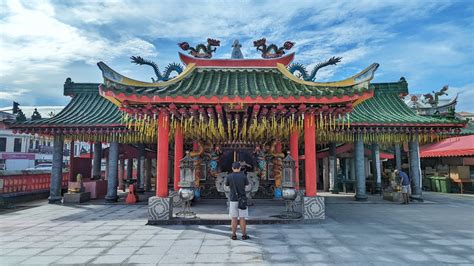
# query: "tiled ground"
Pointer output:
{"type": "Point", "coordinates": [439, 231]}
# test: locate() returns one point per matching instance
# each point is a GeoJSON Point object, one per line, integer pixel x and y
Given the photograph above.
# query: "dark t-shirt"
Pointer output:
{"type": "Point", "coordinates": [404, 179]}
{"type": "Point", "coordinates": [237, 182]}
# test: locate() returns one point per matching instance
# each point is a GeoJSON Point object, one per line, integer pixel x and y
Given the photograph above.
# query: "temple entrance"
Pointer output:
{"type": "Point", "coordinates": [243, 155]}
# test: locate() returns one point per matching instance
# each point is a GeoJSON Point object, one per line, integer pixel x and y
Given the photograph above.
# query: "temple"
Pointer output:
{"type": "Point", "coordinates": [240, 109]}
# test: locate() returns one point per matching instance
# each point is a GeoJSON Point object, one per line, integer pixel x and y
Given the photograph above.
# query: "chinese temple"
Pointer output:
{"type": "Point", "coordinates": [239, 109]}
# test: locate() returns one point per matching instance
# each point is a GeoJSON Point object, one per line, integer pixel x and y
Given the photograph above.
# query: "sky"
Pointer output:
{"type": "Point", "coordinates": [430, 43]}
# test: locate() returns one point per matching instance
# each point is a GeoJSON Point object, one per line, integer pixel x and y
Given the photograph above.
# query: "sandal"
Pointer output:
{"type": "Point", "coordinates": [233, 237]}
{"type": "Point", "coordinates": [245, 237]}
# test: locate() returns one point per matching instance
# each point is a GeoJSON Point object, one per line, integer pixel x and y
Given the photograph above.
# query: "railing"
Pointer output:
{"type": "Point", "coordinates": [28, 182]}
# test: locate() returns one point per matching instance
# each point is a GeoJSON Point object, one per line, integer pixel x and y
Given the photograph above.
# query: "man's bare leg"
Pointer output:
{"type": "Point", "coordinates": [234, 226]}
{"type": "Point", "coordinates": [243, 226]}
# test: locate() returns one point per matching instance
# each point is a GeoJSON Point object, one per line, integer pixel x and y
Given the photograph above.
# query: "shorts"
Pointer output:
{"type": "Point", "coordinates": [406, 189]}
{"type": "Point", "coordinates": [235, 212]}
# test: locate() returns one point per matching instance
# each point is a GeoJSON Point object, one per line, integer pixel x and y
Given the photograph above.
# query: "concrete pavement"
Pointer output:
{"type": "Point", "coordinates": [439, 231]}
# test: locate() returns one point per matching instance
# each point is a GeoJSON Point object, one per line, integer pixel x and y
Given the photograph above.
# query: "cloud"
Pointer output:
{"type": "Point", "coordinates": [44, 42]}
{"type": "Point", "coordinates": [466, 95]}
{"type": "Point", "coordinates": [35, 42]}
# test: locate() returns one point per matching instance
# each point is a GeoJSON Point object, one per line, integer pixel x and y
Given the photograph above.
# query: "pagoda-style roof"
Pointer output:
{"type": "Point", "coordinates": [387, 108]}
{"type": "Point", "coordinates": [250, 84]}
{"type": "Point", "coordinates": [86, 109]}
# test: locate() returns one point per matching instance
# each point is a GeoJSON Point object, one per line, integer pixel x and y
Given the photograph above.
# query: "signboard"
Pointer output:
{"type": "Point", "coordinates": [17, 156]}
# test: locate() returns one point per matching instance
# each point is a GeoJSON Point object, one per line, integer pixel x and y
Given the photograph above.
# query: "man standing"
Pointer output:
{"type": "Point", "coordinates": [405, 183]}
{"type": "Point", "coordinates": [237, 181]}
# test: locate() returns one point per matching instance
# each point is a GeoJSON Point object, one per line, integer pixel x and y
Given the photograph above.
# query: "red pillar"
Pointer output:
{"type": "Point", "coordinates": [294, 154]}
{"type": "Point", "coordinates": [72, 178]}
{"type": "Point", "coordinates": [178, 154]}
{"type": "Point", "coordinates": [162, 155]}
{"type": "Point", "coordinates": [310, 154]}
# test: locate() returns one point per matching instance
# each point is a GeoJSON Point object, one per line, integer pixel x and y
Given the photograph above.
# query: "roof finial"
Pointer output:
{"type": "Point", "coordinates": [236, 52]}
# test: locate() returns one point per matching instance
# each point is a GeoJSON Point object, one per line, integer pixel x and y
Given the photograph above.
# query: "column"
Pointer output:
{"type": "Point", "coordinates": [107, 165]}
{"type": "Point", "coordinates": [141, 167]}
{"type": "Point", "coordinates": [415, 169]}
{"type": "Point", "coordinates": [178, 155]}
{"type": "Point", "coordinates": [376, 171]}
{"type": "Point", "coordinates": [112, 173]}
{"type": "Point", "coordinates": [162, 155]}
{"type": "Point", "coordinates": [130, 169]}
{"type": "Point", "coordinates": [294, 154]}
{"type": "Point", "coordinates": [353, 167]}
{"type": "Point", "coordinates": [310, 154]}
{"type": "Point", "coordinates": [333, 168]}
{"type": "Point", "coordinates": [347, 164]}
{"type": "Point", "coordinates": [148, 174]}
{"type": "Point", "coordinates": [360, 168]}
{"type": "Point", "coordinates": [325, 162]}
{"type": "Point", "coordinates": [57, 170]}
{"type": "Point", "coordinates": [398, 157]}
{"type": "Point", "coordinates": [97, 160]}
{"type": "Point", "coordinates": [71, 178]}
{"type": "Point", "coordinates": [121, 174]}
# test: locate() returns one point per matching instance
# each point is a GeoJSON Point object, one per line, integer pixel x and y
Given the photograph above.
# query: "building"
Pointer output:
{"type": "Point", "coordinates": [250, 110]}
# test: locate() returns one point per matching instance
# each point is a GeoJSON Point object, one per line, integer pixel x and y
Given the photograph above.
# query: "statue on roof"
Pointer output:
{"type": "Point", "coordinates": [201, 50]}
{"type": "Point", "coordinates": [435, 100]}
{"type": "Point", "coordinates": [166, 75]}
{"type": "Point", "coordinates": [36, 115]}
{"type": "Point", "coordinates": [236, 52]}
{"type": "Point", "coordinates": [272, 51]}
{"type": "Point", "coordinates": [311, 76]}
{"type": "Point", "coordinates": [20, 116]}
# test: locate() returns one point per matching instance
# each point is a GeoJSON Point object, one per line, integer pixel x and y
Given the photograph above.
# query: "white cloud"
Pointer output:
{"type": "Point", "coordinates": [35, 43]}
{"type": "Point", "coordinates": [466, 95]}
{"type": "Point", "coordinates": [41, 40]}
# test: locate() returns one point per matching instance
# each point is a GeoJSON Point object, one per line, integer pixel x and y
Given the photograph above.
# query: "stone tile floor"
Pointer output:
{"type": "Point", "coordinates": [439, 231]}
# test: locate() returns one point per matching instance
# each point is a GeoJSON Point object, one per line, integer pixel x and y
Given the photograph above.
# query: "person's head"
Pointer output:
{"type": "Point", "coordinates": [396, 172]}
{"type": "Point", "coordinates": [236, 167]}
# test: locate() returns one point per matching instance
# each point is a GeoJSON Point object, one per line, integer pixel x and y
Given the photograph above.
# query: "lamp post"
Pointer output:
{"type": "Point", "coordinates": [289, 187]}
{"type": "Point", "coordinates": [186, 184]}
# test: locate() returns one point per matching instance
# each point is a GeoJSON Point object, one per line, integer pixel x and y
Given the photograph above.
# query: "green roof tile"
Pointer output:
{"type": "Point", "coordinates": [251, 82]}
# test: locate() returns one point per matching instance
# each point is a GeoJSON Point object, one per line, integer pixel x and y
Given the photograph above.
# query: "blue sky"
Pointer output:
{"type": "Point", "coordinates": [430, 43]}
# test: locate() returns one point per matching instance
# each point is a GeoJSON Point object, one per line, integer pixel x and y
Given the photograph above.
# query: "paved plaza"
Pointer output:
{"type": "Point", "coordinates": [438, 231]}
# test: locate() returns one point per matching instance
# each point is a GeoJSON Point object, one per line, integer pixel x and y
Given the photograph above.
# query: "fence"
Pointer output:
{"type": "Point", "coordinates": [28, 182]}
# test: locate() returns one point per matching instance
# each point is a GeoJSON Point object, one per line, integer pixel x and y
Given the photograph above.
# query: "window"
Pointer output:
{"type": "Point", "coordinates": [3, 144]}
{"type": "Point", "coordinates": [471, 171]}
{"type": "Point", "coordinates": [17, 145]}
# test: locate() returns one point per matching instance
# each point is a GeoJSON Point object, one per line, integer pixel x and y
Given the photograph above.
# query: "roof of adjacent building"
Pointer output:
{"type": "Point", "coordinates": [451, 147]}
{"type": "Point", "coordinates": [86, 109]}
{"type": "Point", "coordinates": [387, 108]}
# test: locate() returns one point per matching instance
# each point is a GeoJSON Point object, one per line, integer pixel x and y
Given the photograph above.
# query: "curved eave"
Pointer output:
{"type": "Point", "coordinates": [142, 99]}
{"type": "Point", "coordinates": [113, 76]}
{"type": "Point", "coordinates": [361, 77]}
{"type": "Point", "coordinates": [458, 125]}
{"type": "Point", "coordinates": [238, 63]}
{"type": "Point", "coordinates": [22, 126]}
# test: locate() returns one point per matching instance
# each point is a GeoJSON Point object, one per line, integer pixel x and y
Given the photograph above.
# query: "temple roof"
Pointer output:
{"type": "Point", "coordinates": [86, 109]}
{"type": "Point", "coordinates": [387, 108]}
{"type": "Point", "coordinates": [259, 85]}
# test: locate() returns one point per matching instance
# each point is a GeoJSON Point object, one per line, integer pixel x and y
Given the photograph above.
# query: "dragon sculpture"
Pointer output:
{"type": "Point", "coordinates": [434, 100]}
{"type": "Point", "coordinates": [272, 51]}
{"type": "Point", "coordinates": [173, 67]}
{"type": "Point", "coordinates": [201, 50]}
{"type": "Point", "coordinates": [305, 75]}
